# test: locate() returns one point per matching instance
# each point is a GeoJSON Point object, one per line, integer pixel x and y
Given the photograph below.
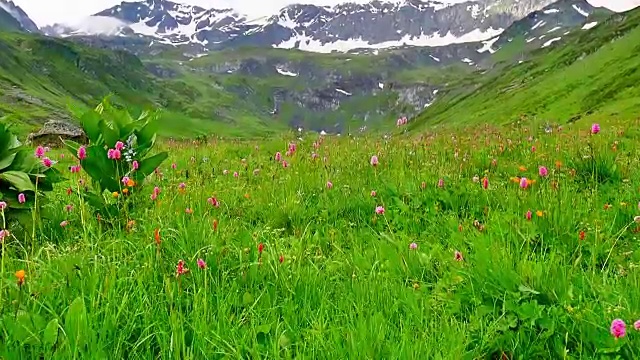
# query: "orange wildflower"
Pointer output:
{"type": "Point", "coordinates": [20, 274]}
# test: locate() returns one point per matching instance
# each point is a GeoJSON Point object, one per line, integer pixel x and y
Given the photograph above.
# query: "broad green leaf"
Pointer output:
{"type": "Point", "coordinates": [109, 135]}
{"type": "Point", "coordinates": [72, 146]}
{"type": "Point", "coordinates": [75, 324]}
{"type": "Point", "coordinates": [7, 140]}
{"type": "Point", "coordinates": [148, 166]}
{"type": "Point", "coordinates": [146, 137]}
{"type": "Point", "coordinates": [18, 179]}
{"type": "Point", "coordinates": [6, 161]}
{"type": "Point", "coordinates": [50, 335]}
{"type": "Point", "coordinates": [91, 123]}
{"type": "Point", "coordinates": [100, 168]}
{"type": "Point", "coordinates": [24, 162]}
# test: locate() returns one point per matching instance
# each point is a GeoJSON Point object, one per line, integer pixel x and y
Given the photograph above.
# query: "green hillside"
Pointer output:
{"type": "Point", "coordinates": [592, 74]}
{"type": "Point", "coordinates": [41, 76]}
{"type": "Point", "coordinates": [312, 94]}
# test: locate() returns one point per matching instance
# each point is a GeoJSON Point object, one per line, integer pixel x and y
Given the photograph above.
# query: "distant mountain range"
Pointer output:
{"type": "Point", "coordinates": [379, 24]}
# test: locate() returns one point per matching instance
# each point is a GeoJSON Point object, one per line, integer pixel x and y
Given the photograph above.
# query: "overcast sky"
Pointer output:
{"type": "Point", "coordinates": [46, 12]}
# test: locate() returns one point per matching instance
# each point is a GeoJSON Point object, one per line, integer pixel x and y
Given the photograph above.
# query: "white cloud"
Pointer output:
{"type": "Point", "coordinates": [46, 12]}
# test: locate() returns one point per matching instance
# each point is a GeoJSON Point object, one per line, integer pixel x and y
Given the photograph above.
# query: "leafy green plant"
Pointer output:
{"type": "Point", "coordinates": [117, 158]}
{"type": "Point", "coordinates": [23, 173]}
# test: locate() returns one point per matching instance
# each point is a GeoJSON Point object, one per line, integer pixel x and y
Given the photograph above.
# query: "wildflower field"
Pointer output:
{"type": "Point", "coordinates": [517, 242]}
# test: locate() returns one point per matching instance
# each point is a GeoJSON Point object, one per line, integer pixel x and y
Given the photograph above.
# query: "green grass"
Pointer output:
{"type": "Point", "coordinates": [335, 280]}
{"type": "Point", "coordinates": [591, 75]}
{"type": "Point", "coordinates": [40, 77]}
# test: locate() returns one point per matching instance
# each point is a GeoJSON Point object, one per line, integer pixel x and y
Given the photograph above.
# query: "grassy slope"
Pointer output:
{"type": "Point", "coordinates": [394, 66]}
{"type": "Point", "coordinates": [40, 76]}
{"type": "Point", "coordinates": [592, 74]}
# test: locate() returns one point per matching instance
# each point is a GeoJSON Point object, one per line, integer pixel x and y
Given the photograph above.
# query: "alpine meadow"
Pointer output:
{"type": "Point", "coordinates": [385, 180]}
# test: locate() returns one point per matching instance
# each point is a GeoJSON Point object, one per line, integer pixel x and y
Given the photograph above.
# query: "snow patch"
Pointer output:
{"type": "Point", "coordinates": [468, 61]}
{"type": "Point", "coordinates": [343, 92]}
{"type": "Point", "coordinates": [578, 9]}
{"type": "Point", "coordinates": [551, 42]}
{"type": "Point", "coordinates": [285, 72]}
{"type": "Point", "coordinates": [434, 58]}
{"type": "Point", "coordinates": [590, 25]}
{"type": "Point", "coordinates": [381, 85]}
{"type": "Point", "coordinates": [307, 43]}
{"type": "Point", "coordinates": [538, 24]}
{"type": "Point", "coordinates": [98, 25]}
{"type": "Point", "coordinates": [554, 29]}
{"type": "Point", "coordinates": [551, 11]}
{"type": "Point", "coordinates": [488, 45]}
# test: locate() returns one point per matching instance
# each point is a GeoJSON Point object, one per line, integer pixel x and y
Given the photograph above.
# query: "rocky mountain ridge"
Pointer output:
{"type": "Point", "coordinates": [344, 27]}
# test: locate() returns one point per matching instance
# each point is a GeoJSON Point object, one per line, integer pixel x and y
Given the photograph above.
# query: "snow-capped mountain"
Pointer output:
{"type": "Point", "coordinates": [378, 24]}
{"type": "Point", "coordinates": [548, 25]}
{"type": "Point", "coordinates": [22, 19]}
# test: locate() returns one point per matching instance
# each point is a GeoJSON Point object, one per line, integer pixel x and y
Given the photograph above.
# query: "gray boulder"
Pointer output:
{"type": "Point", "coordinates": [54, 131]}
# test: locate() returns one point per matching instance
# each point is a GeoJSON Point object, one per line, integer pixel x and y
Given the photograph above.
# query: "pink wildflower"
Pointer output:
{"type": "Point", "coordinates": [374, 160]}
{"type": "Point", "coordinates": [285, 164]}
{"type": "Point", "coordinates": [636, 325]}
{"type": "Point", "coordinates": [543, 171]}
{"type": "Point", "coordinates": [380, 210]}
{"type": "Point", "coordinates": [441, 183]}
{"type": "Point", "coordinates": [373, 193]}
{"type": "Point", "coordinates": [235, 174]}
{"type": "Point", "coordinates": [213, 202]}
{"type": "Point", "coordinates": [413, 246]}
{"type": "Point", "coordinates": [39, 152]}
{"type": "Point", "coordinates": [485, 183]}
{"type": "Point", "coordinates": [595, 128]}
{"type": "Point", "coordinates": [119, 145]}
{"type": "Point", "coordinates": [329, 185]}
{"type": "Point", "coordinates": [64, 223]}
{"type": "Point", "coordinates": [82, 153]}
{"type": "Point", "coordinates": [181, 269]}
{"type": "Point", "coordinates": [278, 156]}
{"type": "Point", "coordinates": [47, 162]}
{"type": "Point", "coordinates": [528, 215]}
{"type": "Point", "coordinates": [68, 207]}
{"type": "Point", "coordinates": [524, 183]}
{"type": "Point", "coordinates": [3, 205]}
{"type": "Point", "coordinates": [125, 180]}
{"type": "Point", "coordinates": [174, 166]}
{"type": "Point", "coordinates": [21, 198]}
{"type": "Point", "coordinates": [135, 165]}
{"type": "Point", "coordinates": [618, 328]}
{"type": "Point", "coordinates": [182, 186]}
{"type": "Point", "coordinates": [113, 154]}
{"type": "Point", "coordinates": [201, 264]}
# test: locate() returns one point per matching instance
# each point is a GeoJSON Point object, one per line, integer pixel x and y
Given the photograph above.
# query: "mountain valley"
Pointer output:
{"type": "Point", "coordinates": [226, 74]}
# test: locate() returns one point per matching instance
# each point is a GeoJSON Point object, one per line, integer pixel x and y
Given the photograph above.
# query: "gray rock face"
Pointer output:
{"type": "Point", "coordinates": [26, 24]}
{"type": "Point", "coordinates": [348, 26]}
{"type": "Point", "coordinates": [543, 27]}
{"type": "Point", "coordinates": [54, 130]}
